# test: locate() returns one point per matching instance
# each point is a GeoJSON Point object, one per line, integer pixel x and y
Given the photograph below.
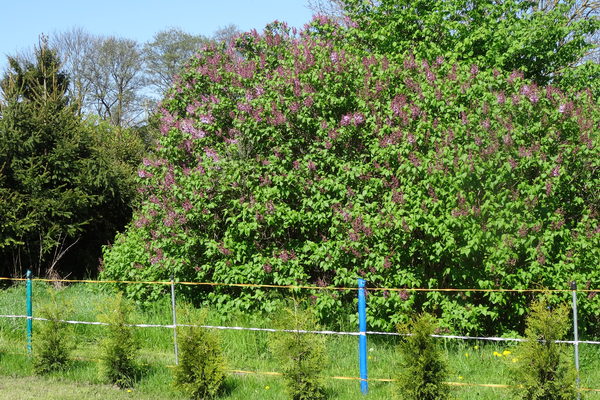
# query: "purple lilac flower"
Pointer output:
{"type": "Point", "coordinates": [346, 120]}
{"type": "Point", "coordinates": [515, 75]}
{"type": "Point", "coordinates": [211, 153]}
{"type": "Point", "coordinates": [224, 250]}
{"type": "Point", "coordinates": [143, 221]}
{"type": "Point", "coordinates": [430, 76]}
{"type": "Point", "coordinates": [207, 119]}
{"type": "Point", "coordinates": [409, 62]}
{"type": "Point", "coordinates": [397, 103]}
{"type": "Point", "coordinates": [358, 118]}
{"type": "Point", "coordinates": [169, 179]}
{"type": "Point", "coordinates": [386, 262]}
{"type": "Point", "coordinates": [501, 98]}
{"type": "Point", "coordinates": [565, 108]}
{"type": "Point", "coordinates": [187, 205]}
{"type": "Point", "coordinates": [269, 207]}
{"type": "Point", "coordinates": [144, 174]}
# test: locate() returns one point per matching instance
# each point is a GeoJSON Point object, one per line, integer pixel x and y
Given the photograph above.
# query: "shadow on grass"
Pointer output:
{"type": "Point", "coordinates": [229, 386]}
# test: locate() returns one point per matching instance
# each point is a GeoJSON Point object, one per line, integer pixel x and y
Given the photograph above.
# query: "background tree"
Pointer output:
{"type": "Point", "coordinates": [226, 34]}
{"type": "Point", "coordinates": [114, 72]}
{"type": "Point", "coordinates": [74, 47]}
{"type": "Point", "coordinates": [166, 55]}
{"type": "Point", "coordinates": [331, 8]}
{"type": "Point", "coordinates": [54, 173]}
{"type": "Point", "coordinates": [106, 78]}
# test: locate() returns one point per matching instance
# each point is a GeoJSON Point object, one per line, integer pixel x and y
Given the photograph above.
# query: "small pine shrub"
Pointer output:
{"type": "Point", "coordinates": [201, 370]}
{"type": "Point", "coordinates": [423, 366]}
{"type": "Point", "coordinates": [545, 370]}
{"type": "Point", "coordinates": [52, 340]}
{"type": "Point", "coordinates": [302, 355]}
{"type": "Point", "coordinates": [118, 347]}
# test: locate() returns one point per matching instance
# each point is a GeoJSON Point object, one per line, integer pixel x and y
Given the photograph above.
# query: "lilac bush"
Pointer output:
{"type": "Point", "coordinates": [291, 159]}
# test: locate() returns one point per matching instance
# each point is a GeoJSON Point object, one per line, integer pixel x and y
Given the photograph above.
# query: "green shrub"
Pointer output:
{"type": "Point", "coordinates": [119, 347]}
{"type": "Point", "coordinates": [201, 370]}
{"type": "Point", "coordinates": [545, 370]}
{"type": "Point", "coordinates": [52, 340]}
{"type": "Point", "coordinates": [302, 355]}
{"type": "Point", "coordinates": [305, 163]}
{"type": "Point", "coordinates": [423, 367]}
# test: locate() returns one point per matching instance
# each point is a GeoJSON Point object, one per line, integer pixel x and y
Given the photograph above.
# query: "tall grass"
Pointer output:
{"type": "Point", "coordinates": [469, 361]}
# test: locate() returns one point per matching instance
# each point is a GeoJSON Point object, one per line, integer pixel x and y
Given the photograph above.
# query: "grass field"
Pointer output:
{"type": "Point", "coordinates": [471, 362]}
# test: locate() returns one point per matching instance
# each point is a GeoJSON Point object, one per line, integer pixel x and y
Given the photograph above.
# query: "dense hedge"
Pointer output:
{"type": "Point", "coordinates": [291, 160]}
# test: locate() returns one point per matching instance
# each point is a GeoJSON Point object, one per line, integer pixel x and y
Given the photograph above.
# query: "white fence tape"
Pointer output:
{"type": "Point", "coordinates": [241, 328]}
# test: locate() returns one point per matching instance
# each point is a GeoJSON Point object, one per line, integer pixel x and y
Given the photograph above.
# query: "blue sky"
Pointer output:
{"type": "Point", "coordinates": [22, 21]}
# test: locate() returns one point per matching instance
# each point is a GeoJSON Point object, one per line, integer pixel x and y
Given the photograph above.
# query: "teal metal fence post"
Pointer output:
{"type": "Point", "coordinates": [29, 312]}
{"type": "Point", "coordinates": [362, 338]}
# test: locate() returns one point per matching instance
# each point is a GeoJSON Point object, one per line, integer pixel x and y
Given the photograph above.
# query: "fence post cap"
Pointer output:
{"type": "Point", "coordinates": [29, 275]}
{"type": "Point", "coordinates": [573, 285]}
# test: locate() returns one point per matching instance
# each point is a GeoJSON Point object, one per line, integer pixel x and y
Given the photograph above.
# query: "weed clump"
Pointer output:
{"type": "Point", "coordinates": [53, 340]}
{"type": "Point", "coordinates": [302, 355]}
{"type": "Point", "coordinates": [544, 370]}
{"type": "Point", "coordinates": [201, 370]}
{"type": "Point", "coordinates": [423, 366]}
{"type": "Point", "coordinates": [119, 347]}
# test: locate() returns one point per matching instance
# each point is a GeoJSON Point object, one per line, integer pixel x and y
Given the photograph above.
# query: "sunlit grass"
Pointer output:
{"type": "Point", "coordinates": [470, 361]}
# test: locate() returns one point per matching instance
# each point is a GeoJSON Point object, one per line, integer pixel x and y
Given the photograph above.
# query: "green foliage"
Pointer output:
{"type": "Point", "coordinates": [302, 355]}
{"type": "Point", "coordinates": [423, 369]}
{"type": "Point", "coordinates": [41, 153]}
{"type": "Point", "coordinates": [52, 340]}
{"type": "Point", "coordinates": [119, 346]}
{"type": "Point", "coordinates": [66, 185]}
{"type": "Point", "coordinates": [545, 370]}
{"type": "Point", "coordinates": [296, 159]}
{"type": "Point", "coordinates": [201, 370]}
{"type": "Point", "coordinates": [543, 42]}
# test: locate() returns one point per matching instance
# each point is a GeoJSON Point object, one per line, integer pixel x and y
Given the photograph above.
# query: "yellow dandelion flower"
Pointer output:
{"type": "Point", "coordinates": [515, 359]}
{"type": "Point", "coordinates": [476, 347]}
{"type": "Point", "coordinates": [497, 354]}
{"type": "Point", "coordinates": [505, 352]}
{"type": "Point", "coordinates": [467, 355]}
{"type": "Point", "coordinates": [460, 378]}
{"type": "Point", "coordinates": [267, 387]}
